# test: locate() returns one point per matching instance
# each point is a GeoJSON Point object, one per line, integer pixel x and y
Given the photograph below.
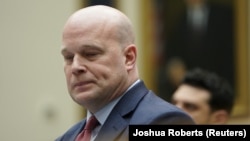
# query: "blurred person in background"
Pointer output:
{"type": "Point", "coordinates": [205, 96]}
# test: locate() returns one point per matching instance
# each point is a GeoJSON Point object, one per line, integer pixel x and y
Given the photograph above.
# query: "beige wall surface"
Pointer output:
{"type": "Point", "coordinates": [34, 102]}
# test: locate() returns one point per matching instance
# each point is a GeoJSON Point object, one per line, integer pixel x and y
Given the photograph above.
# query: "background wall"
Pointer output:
{"type": "Point", "coordinates": [34, 102]}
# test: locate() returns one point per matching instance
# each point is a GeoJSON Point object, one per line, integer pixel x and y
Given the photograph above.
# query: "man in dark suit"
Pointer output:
{"type": "Point", "coordinates": [100, 68]}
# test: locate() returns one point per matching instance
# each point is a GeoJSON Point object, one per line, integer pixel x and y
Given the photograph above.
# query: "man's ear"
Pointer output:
{"type": "Point", "coordinates": [130, 53]}
{"type": "Point", "coordinates": [220, 117]}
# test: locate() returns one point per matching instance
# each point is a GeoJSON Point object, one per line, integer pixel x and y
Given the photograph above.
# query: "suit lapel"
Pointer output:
{"type": "Point", "coordinates": [118, 121]}
{"type": "Point", "coordinates": [112, 128]}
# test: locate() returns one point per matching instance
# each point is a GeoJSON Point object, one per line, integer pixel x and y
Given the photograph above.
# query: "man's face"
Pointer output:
{"type": "Point", "coordinates": [94, 64]}
{"type": "Point", "coordinates": [194, 101]}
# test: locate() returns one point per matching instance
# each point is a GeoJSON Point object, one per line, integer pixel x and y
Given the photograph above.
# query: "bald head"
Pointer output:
{"type": "Point", "coordinates": [102, 17]}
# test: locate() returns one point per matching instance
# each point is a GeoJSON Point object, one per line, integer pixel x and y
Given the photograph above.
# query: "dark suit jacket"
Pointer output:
{"type": "Point", "coordinates": [138, 106]}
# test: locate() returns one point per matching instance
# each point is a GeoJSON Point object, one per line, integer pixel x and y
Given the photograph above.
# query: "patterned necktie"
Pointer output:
{"type": "Point", "coordinates": [85, 135]}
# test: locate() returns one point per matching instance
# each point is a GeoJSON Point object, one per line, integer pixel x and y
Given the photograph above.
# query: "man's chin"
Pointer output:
{"type": "Point", "coordinates": [82, 97]}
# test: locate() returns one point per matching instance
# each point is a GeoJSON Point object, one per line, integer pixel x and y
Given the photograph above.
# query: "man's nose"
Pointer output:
{"type": "Point", "coordinates": [78, 66]}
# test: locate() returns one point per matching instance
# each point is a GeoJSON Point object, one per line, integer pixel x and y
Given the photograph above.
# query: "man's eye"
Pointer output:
{"type": "Point", "coordinates": [90, 54]}
{"type": "Point", "coordinates": [190, 107]}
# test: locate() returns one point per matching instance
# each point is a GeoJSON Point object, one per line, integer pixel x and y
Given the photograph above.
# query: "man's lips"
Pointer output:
{"type": "Point", "coordinates": [81, 84]}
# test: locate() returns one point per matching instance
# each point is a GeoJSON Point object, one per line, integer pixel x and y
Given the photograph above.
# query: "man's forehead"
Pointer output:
{"type": "Point", "coordinates": [190, 93]}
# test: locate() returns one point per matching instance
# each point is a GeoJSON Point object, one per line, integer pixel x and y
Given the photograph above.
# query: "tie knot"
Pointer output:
{"type": "Point", "coordinates": [91, 123]}
{"type": "Point", "coordinates": [85, 135]}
